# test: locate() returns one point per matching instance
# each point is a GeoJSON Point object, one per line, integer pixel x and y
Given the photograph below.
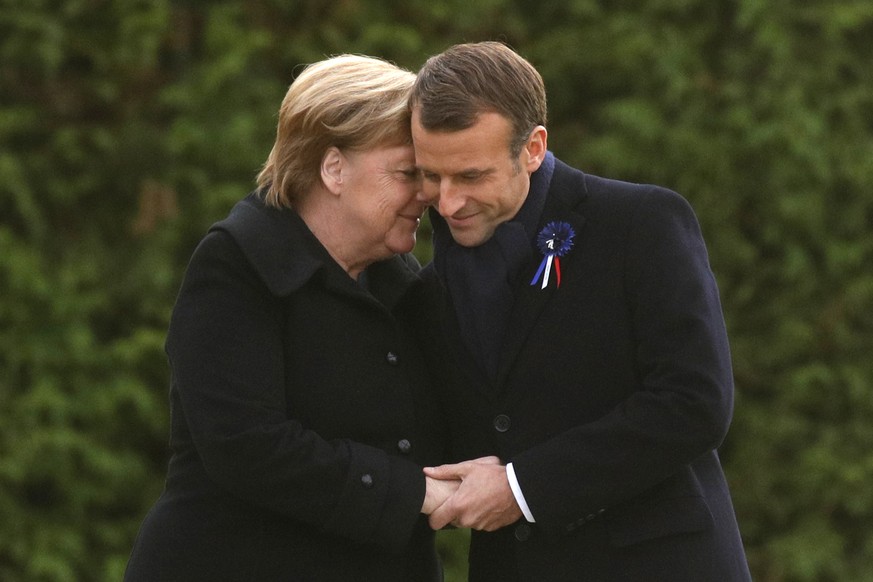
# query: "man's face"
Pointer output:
{"type": "Point", "coordinates": [469, 176]}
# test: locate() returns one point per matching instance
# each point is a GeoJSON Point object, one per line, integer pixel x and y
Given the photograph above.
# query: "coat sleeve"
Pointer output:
{"type": "Point", "coordinates": [682, 404]}
{"type": "Point", "coordinates": [226, 353]}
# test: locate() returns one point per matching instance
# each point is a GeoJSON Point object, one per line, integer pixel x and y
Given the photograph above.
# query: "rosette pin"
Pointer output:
{"type": "Point", "coordinates": [554, 241]}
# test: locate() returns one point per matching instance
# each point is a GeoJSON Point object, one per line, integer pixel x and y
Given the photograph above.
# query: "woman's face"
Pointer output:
{"type": "Point", "coordinates": [380, 187]}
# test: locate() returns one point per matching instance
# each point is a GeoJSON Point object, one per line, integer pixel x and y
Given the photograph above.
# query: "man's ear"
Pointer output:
{"type": "Point", "coordinates": [535, 149]}
{"type": "Point", "coordinates": [332, 169]}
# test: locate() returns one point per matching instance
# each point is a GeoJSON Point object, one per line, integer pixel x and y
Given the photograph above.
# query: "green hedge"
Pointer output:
{"type": "Point", "coordinates": [126, 128]}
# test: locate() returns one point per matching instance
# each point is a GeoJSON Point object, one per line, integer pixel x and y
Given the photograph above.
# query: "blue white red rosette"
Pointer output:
{"type": "Point", "coordinates": [555, 240]}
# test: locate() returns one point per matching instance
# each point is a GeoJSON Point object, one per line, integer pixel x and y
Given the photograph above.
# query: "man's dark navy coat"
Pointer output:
{"type": "Point", "coordinates": [301, 417]}
{"type": "Point", "coordinates": [612, 393]}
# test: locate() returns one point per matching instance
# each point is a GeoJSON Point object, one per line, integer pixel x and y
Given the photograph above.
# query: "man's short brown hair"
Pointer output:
{"type": "Point", "coordinates": [455, 86]}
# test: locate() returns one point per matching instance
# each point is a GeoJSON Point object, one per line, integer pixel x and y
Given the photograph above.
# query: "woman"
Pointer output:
{"type": "Point", "coordinates": [301, 409]}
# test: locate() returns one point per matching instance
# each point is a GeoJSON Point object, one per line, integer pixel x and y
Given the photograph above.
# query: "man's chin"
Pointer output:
{"type": "Point", "coordinates": [468, 237]}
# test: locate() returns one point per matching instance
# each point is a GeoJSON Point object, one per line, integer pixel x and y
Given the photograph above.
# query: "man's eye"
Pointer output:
{"type": "Point", "coordinates": [430, 177]}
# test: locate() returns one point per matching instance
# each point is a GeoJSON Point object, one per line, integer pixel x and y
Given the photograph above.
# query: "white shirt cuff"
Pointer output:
{"type": "Point", "coordinates": [519, 496]}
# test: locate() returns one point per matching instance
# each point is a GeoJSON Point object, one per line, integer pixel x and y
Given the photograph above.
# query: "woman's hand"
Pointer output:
{"type": "Point", "coordinates": [436, 493]}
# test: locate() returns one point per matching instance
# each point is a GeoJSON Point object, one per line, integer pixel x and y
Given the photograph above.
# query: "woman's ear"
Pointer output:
{"type": "Point", "coordinates": [332, 169]}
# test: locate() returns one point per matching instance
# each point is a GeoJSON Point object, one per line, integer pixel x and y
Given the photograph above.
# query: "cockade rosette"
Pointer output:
{"type": "Point", "coordinates": [555, 240]}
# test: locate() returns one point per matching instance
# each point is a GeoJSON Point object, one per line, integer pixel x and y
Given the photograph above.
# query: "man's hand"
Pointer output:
{"type": "Point", "coordinates": [437, 492]}
{"type": "Point", "coordinates": [484, 500]}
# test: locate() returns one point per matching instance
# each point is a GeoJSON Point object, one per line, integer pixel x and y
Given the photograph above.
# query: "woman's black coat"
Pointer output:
{"type": "Point", "coordinates": [301, 416]}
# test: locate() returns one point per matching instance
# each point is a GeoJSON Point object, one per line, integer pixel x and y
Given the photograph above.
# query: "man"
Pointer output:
{"type": "Point", "coordinates": [584, 321]}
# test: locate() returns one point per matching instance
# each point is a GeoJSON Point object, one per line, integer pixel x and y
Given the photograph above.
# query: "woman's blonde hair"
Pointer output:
{"type": "Point", "coordinates": [347, 101]}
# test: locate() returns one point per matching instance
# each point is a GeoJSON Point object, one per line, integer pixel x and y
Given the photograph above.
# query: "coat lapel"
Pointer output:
{"type": "Point", "coordinates": [529, 302]}
{"type": "Point", "coordinates": [562, 204]}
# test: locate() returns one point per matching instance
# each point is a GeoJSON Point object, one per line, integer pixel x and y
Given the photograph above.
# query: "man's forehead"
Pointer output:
{"type": "Point", "coordinates": [457, 152]}
{"type": "Point", "coordinates": [452, 165]}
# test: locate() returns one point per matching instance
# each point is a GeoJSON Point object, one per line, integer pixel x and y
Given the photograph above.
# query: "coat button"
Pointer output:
{"type": "Point", "coordinates": [404, 446]}
{"type": "Point", "coordinates": [522, 532]}
{"type": "Point", "coordinates": [391, 358]}
{"type": "Point", "coordinates": [367, 480]}
{"type": "Point", "coordinates": [501, 423]}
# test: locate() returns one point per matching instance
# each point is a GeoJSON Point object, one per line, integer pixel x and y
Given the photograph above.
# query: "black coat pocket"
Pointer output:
{"type": "Point", "coordinates": [658, 518]}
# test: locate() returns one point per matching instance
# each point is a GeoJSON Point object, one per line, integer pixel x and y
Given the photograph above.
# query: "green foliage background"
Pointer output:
{"type": "Point", "coordinates": [128, 126]}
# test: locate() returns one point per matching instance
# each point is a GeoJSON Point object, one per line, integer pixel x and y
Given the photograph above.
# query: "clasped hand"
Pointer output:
{"type": "Point", "coordinates": [474, 494]}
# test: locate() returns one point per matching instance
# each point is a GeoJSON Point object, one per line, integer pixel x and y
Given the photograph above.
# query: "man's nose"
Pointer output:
{"type": "Point", "coordinates": [450, 200]}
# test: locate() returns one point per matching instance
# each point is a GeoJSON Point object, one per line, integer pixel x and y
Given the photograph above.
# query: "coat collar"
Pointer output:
{"type": "Point", "coordinates": [286, 255]}
{"type": "Point", "coordinates": [276, 243]}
